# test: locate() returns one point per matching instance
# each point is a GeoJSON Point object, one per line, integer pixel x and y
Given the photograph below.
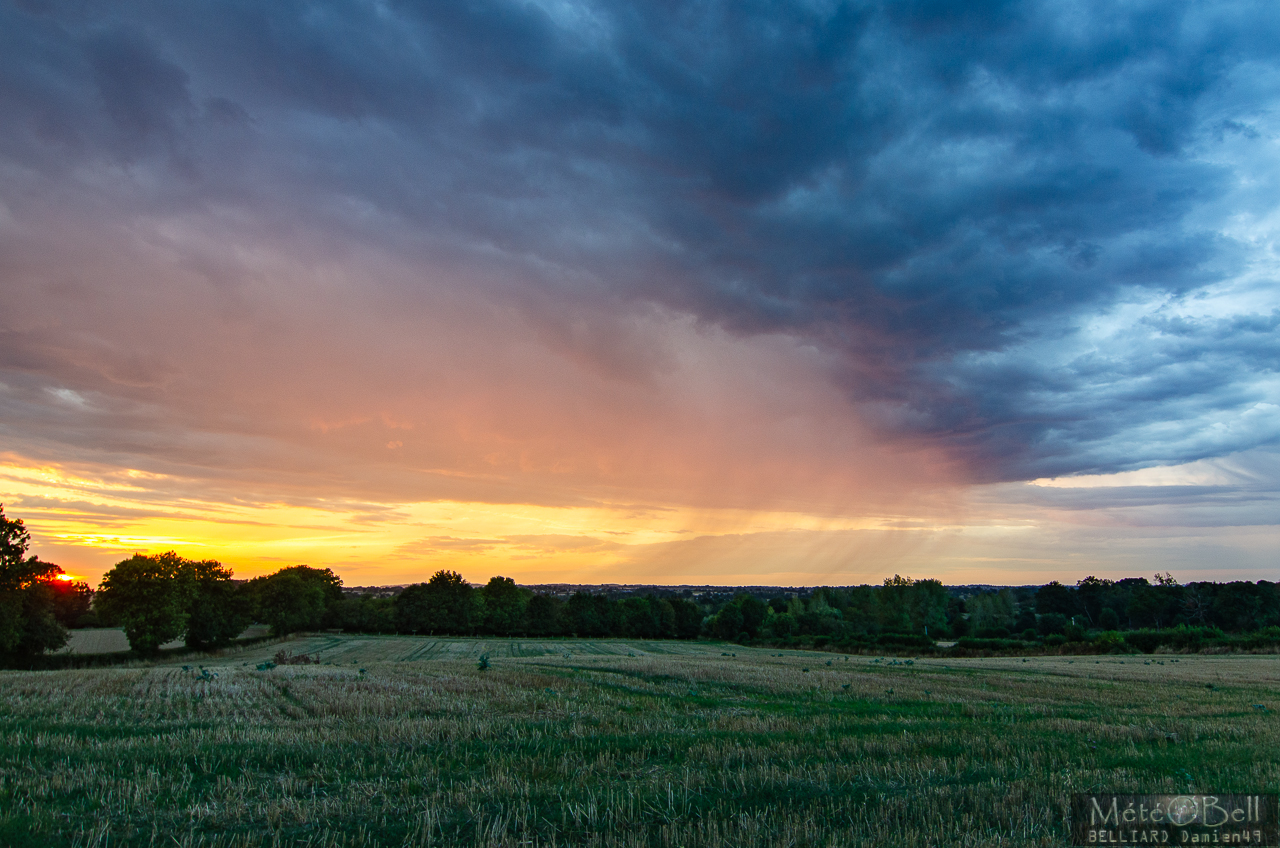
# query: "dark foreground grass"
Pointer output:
{"type": "Point", "coordinates": [400, 741]}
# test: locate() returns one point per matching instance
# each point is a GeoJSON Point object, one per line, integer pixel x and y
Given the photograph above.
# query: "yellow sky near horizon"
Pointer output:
{"type": "Point", "coordinates": [87, 522]}
{"type": "Point", "coordinates": [97, 521]}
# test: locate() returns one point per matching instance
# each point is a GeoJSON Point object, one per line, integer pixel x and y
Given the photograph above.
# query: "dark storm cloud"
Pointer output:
{"type": "Point", "coordinates": [947, 194]}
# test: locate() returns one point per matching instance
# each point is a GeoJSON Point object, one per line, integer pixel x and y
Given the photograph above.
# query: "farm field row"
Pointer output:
{"type": "Point", "coordinates": [405, 741]}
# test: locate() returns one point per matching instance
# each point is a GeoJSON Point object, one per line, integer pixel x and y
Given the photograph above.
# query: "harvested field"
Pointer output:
{"type": "Point", "coordinates": [110, 640]}
{"type": "Point", "coordinates": [405, 741]}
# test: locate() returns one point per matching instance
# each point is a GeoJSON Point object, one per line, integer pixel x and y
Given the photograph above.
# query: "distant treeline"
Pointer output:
{"type": "Point", "coordinates": [157, 599]}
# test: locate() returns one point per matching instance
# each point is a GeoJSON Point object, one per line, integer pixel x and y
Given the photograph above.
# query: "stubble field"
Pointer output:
{"type": "Point", "coordinates": [403, 741]}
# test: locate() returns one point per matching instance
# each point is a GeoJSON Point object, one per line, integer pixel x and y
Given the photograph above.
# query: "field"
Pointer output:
{"type": "Point", "coordinates": [106, 640]}
{"type": "Point", "coordinates": [398, 740]}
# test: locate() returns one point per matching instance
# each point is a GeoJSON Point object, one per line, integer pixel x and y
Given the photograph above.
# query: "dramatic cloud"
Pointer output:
{"type": "Point", "coordinates": [834, 259]}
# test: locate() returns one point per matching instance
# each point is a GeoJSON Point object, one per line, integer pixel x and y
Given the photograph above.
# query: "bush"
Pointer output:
{"type": "Point", "coordinates": [1147, 641]}
{"type": "Point", "coordinates": [1074, 633]}
{"type": "Point", "coordinates": [1193, 638]}
{"type": "Point", "coordinates": [1110, 641]}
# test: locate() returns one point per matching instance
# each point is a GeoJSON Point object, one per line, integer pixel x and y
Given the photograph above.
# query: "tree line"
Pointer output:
{"type": "Point", "coordinates": [160, 598]}
{"type": "Point", "coordinates": [1135, 603]}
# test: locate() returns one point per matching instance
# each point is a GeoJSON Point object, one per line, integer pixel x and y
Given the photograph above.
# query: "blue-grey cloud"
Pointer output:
{"type": "Point", "coordinates": [1038, 234]}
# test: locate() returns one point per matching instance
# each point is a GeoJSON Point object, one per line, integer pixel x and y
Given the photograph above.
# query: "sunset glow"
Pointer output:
{"type": "Point", "coordinates": [653, 299]}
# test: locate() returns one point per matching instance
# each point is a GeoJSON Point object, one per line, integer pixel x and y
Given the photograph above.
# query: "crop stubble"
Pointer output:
{"type": "Point", "coordinates": [403, 741]}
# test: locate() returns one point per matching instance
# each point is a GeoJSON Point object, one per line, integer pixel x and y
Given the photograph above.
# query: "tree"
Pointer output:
{"type": "Point", "coordinates": [1092, 592]}
{"type": "Point", "coordinates": [727, 623]}
{"type": "Point", "coordinates": [27, 595]}
{"type": "Point", "coordinates": [444, 604]}
{"type": "Point", "coordinates": [543, 615]}
{"type": "Point", "coordinates": [72, 602]}
{"type": "Point", "coordinates": [893, 608]}
{"type": "Point", "coordinates": [754, 611]}
{"type": "Point", "coordinates": [1155, 606]}
{"type": "Point", "coordinates": [365, 614]}
{"type": "Point", "coordinates": [780, 625]}
{"type": "Point", "coordinates": [1055, 598]}
{"type": "Point", "coordinates": [151, 597]}
{"type": "Point", "coordinates": [504, 605]}
{"type": "Point", "coordinates": [688, 618]}
{"type": "Point", "coordinates": [1241, 606]}
{"type": "Point", "coordinates": [296, 598]}
{"type": "Point", "coordinates": [219, 609]}
{"type": "Point", "coordinates": [589, 615]}
{"type": "Point", "coordinates": [412, 608]}
{"type": "Point", "coordinates": [991, 612]}
{"type": "Point", "coordinates": [927, 606]}
{"type": "Point", "coordinates": [649, 617]}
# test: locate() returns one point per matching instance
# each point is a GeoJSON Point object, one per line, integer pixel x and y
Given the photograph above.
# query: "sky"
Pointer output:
{"type": "Point", "coordinates": [793, 293]}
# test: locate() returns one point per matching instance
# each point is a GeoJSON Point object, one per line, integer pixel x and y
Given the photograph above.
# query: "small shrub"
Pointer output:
{"type": "Point", "coordinates": [1110, 641]}
{"type": "Point", "coordinates": [1147, 640]}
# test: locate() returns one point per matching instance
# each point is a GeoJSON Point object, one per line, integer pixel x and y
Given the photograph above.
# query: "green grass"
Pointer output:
{"type": "Point", "coordinates": [613, 742]}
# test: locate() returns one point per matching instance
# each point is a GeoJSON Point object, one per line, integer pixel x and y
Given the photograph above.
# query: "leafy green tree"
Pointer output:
{"type": "Point", "coordinates": [504, 606]}
{"type": "Point", "coordinates": [1155, 606]}
{"type": "Point", "coordinates": [727, 623]}
{"type": "Point", "coordinates": [1092, 593]}
{"type": "Point", "coordinates": [366, 614]}
{"type": "Point", "coordinates": [818, 617]}
{"type": "Point", "coordinates": [779, 625]}
{"type": "Point", "coordinates": [753, 613]}
{"type": "Point", "coordinates": [894, 607]}
{"type": "Point", "coordinates": [296, 598]}
{"type": "Point", "coordinates": [412, 609]}
{"type": "Point", "coordinates": [150, 596]}
{"type": "Point", "coordinates": [27, 595]}
{"type": "Point", "coordinates": [957, 623]}
{"type": "Point", "coordinates": [1053, 597]}
{"type": "Point", "coordinates": [991, 612]}
{"type": "Point", "coordinates": [589, 615]}
{"type": "Point", "coordinates": [649, 617]}
{"type": "Point", "coordinates": [927, 602]}
{"type": "Point", "coordinates": [220, 610]}
{"type": "Point", "coordinates": [1241, 606]}
{"type": "Point", "coordinates": [72, 603]}
{"type": "Point", "coordinates": [688, 618]}
{"type": "Point", "coordinates": [544, 615]}
{"type": "Point", "coordinates": [444, 604]}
